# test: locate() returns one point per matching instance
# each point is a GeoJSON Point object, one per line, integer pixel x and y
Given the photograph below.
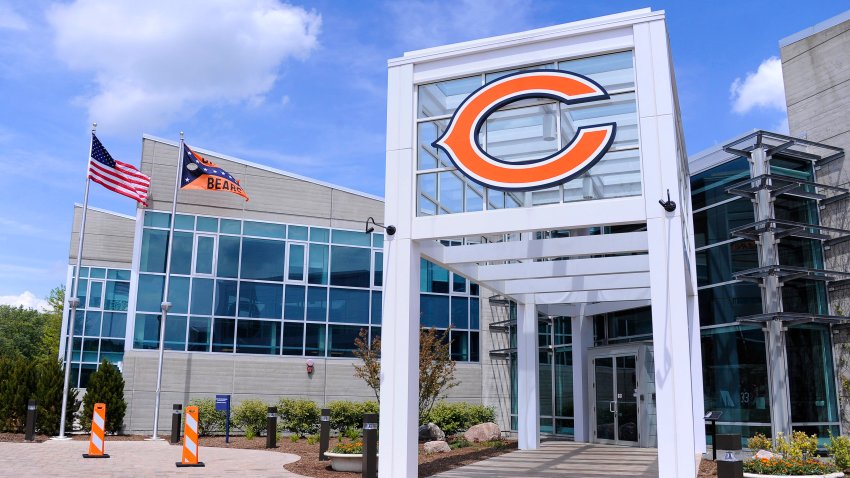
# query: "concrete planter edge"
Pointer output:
{"type": "Point", "coordinates": [831, 475]}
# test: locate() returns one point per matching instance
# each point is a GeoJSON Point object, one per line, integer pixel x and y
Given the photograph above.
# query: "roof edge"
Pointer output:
{"type": "Point", "coordinates": [268, 168]}
{"type": "Point", "coordinates": [815, 29]}
{"type": "Point", "coordinates": [106, 211]}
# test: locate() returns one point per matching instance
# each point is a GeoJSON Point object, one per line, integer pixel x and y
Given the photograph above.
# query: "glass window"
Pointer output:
{"type": "Point", "coordinates": [149, 297]}
{"type": "Point", "coordinates": [157, 219]}
{"type": "Point", "coordinates": [207, 224]}
{"type": "Point", "coordinates": [433, 278]}
{"type": "Point", "coordinates": [475, 352]}
{"type": "Point", "coordinates": [796, 251]}
{"type": "Point", "coordinates": [797, 209]}
{"type": "Point", "coordinates": [377, 240]}
{"type": "Point", "coordinates": [808, 297]}
{"type": "Point", "coordinates": [294, 306]}
{"type": "Point", "coordinates": [811, 374]}
{"type": "Point", "coordinates": [298, 233]}
{"type": "Point", "coordinates": [184, 222]}
{"type": "Point", "coordinates": [296, 262]}
{"type": "Point", "coordinates": [261, 300]}
{"type": "Point", "coordinates": [734, 368]}
{"type": "Point", "coordinates": [79, 321]}
{"type": "Point", "coordinates": [178, 294]}
{"type": "Point", "coordinates": [90, 348]}
{"type": "Point", "coordinates": [713, 225]}
{"type": "Point", "coordinates": [438, 99]}
{"type": "Point", "coordinates": [351, 238]}
{"type": "Point", "coordinates": [111, 350]}
{"type": "Point", "coordinates": [76, 349]}
{"type": "Point", "coordinates": [319, 234]}
{"type": "Point", "coordinates": [97, 273]}
{"type": "Point", "coordinates": [350, 266]}
{"type": "Point", "coordinates": [223, 330]}
{"type": "Point", "coordinates": [341, 340]}
{"type": "Point", "coordinates": [175, 332]}
{"type": "Point", "coordinates": [228, 256]}
{"type": "Point", "coordinates": [718, 263]}
{"type": "Point", "coordinates": [231, 226]}
{"type": "Point", "coordinates": [258, 337]}
{"type": "Point", "coordinates": [114, 325]}
{"type": "Point", "coordinates": [429, 156]}
{"type": "Point", "coordinates": [723, 304]}
{"type": "Point", "coordinates": [82, 292]}
{"type": "Point", "coordinates": [264, 229]}
{"type": "Point", "coordinates": [225, 297]}
{"type": "Point", "coordinates": [154, 247]}
{"type": "Point", "coordinates": [92, 328]}
{"type": "Point", "coordinates": [379, 269]}
{"type": "Point", "coordinates": [181, 253]}
{"type": "Point", "coordinates": [474, 313]}
{"type": "Point", "coordinates": [146, 331]}
{"type": "Point", "coordinates": [204, 255]}
{"type": "Point", "coordinates": [458, 283]}
{"type": "Point", "coordinates": [199, 334]}
{"type": "Point", "coordinates": [709, 187]}
{"type": "Point", "coordinates": [427, 186]}
{"type": "Point", "coordinates": [202, 296]}
{"type": "Point", "coordinates": [314, 342]}
{"type": "Point", "coordinates": [263, 259]}
{"type": "Point", "coordinates": [460, 345]}
{"type": "Point", "coordinates": [293, 338]}
{"type": "Point", "coordinates": [377, 306]}
{"type": "Point", "coordinates": [95, 294]}
{"type": "Point", "coordinates": [473, 288]}
{"type": "Point", "coordinates": [349, 306]}
{"type": "Point", "coordinates": [317, 304]}
{"type": "Point", "coordinates": [317, 269]}
{"type": "Point", "coordinates": [84, 271]}
{"type": "Point", "coordinates": [86, 370]}
{"type": "Point", "coordinates": [118, 274]}
{"type": "Point", "coordinates": [450, 192]}
{"type": "Point", "coordinates": [460, 312]}
{"type": "Point", "coordinates": [522, 134]}
{"type": "Point", "coordinates": [613, 71]}
{"type": "Point", "coordinates": [435, 311]}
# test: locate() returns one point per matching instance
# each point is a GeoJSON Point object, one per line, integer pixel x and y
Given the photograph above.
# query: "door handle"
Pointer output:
{"type": "Point", "coordinates": [611, 407]}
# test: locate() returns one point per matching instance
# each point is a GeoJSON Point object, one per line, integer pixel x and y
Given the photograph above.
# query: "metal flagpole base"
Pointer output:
{"type": "Point", "coordinates": [86, 455]}
{"type": "Point", "coordinates": [190, 465]}
{"type": "Point", "coordinates": [154, 439]}
{"type": "Point", "coordinates": [60, 438]}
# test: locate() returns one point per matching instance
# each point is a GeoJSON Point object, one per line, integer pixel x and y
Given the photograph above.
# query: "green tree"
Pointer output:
{"type": "Point", "coordinates": [50, 377]}
{"type": "Point", "coordinates": [106, 386]}
{"type": "Point", "coordinates": [52, 324]}
{"type": "Point", "coordinates": [16, 385]}
{"type": "Point", "coordinates": [21, 332]}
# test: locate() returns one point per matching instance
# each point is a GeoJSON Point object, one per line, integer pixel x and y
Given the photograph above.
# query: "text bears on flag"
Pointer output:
{"type": "Point", "coordinates": [198, 172]}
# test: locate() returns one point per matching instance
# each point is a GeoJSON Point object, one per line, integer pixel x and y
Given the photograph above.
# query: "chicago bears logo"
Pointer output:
{"type": "Point", "coordinates": [590, 143]}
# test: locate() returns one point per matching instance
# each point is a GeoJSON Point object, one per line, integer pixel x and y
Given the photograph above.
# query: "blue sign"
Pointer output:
{"type": "Point", "coordinates": [222, 402]}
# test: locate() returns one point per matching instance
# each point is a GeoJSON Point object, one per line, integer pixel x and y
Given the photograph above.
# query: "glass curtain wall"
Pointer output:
{"type": "Point", "coordinates": [276, 289]}
{"type": "Point", "coordinates": [531, 129]}
{"type": "Point", "coordinates": [101, 320]}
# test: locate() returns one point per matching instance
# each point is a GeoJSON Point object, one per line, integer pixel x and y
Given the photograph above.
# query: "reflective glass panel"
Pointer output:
{"type": "Point", "coordinates": [117, 295]}
{"type": "Point", "coordinates": [297, 233]}
{"type": "Point", "coordinates": [350, 266]}
{"type": "Point", "coordinates": [207, 224]}
{"type": "Point", "coordinates": [460, 313]}
{"type": "Point", "coordinates": [714, 225]}
{"type": "Point", "coordinates": [314, 343]}
{"type": "Point", "coordinates": [349, 306]}
{"type": "Point", "coordinates": [258, 337]}
{"type": "Point", "coordinates": [811, 378]}
{"type": "Point", "coordinates": [95, 294]}
{"type": "Point", "coordinates": [181, 253]}
{"type": "Point", "coordinates": [717, 264]}
{"type": "Point", "coordinates": [294, 307]}
{"type": "Point", "coordinates": [92, 327]}
{"type": "Point", "coordinates": [154, 247]}
{"type": "Point", "coordinates": [204, 255]}
{"type": "Point", "coordinates": [231, 226]}
{"type": "Point", "coordinates": [111, 350]}
{"type": "Point", "coordinates": [438, 99]}
{"type": "Point", "coordinates": [317, 268]}
{"type": "Point", "coordinates": [341, 340]}
{"type": "Point", "coordinates": [184, 222]}
{"type": "Point", "coordinates": [114, 324]}
{"type": "Point", "coordinates": [379, 269]}
{"type": "Point", "coordinates": [263, 259]}
{"type": "Point", "coordinates": [264, 229]}
{"type": "Point", "coordinates": [319, 234]}
{"type": "Point", "coordinates": [202, 296]}
{"type": "Point", "coordinates": [157, 219]}
{"type": "Point", "coordinates": [433, 278]}
{"type": "Point", "coordinates": [175, 332]}
{"type": "Point", "coordinates": [293, 338]}
{"type": "Point", "coordinates": [317, 304]}
{"type": "Point", "coordinates": [260, 300]}
{"type": "Point", "coordinates": [223, 331]}
{"type": "Point", "coordinates": [724, 304]}
{"type": "Point", "coordinates": [351, 238]}
{"type": "Point", "coordinates": [709, 187]}
{"type": "Point", "coordinates": [228, 256]}
{"type": "Point", "coordinates": [178, 295]}
{"type": "Point", "coordinates": [613, 71]}
{"type": "Point", "coordinates": [376, 308]}
{"type": "Point", "coordinates": [225, 297]}
{"type": "Point", "coordinates": [199, 334]}
{"type": "Point", "coordinates": [460, 345]}
{"type": "Point", "coordinates": [149, 297]}
{"type": "Point", "coordinates": [146, 331]}
{"type": "Point", "coordinates": [296, 262]}
{"type": "Point", "coordinates": [434, 311]}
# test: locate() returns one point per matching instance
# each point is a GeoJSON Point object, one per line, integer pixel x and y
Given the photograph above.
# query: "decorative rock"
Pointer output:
{"type": "Point", "coordinates": [483, 432]}
{"type": "Point", "coordinates": [764, 454]}
{"type": "Point", "coordinates": [431, 432]}
{"type": "Point", "coordinates": [437, 446]}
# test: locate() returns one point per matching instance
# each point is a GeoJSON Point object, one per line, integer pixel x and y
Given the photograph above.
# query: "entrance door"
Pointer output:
{"type": "Point", "coordinates": [616, 404]}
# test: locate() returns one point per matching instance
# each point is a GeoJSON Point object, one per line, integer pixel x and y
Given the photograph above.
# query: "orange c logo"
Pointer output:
{"type": "Point", "coordinates": [460, 140]}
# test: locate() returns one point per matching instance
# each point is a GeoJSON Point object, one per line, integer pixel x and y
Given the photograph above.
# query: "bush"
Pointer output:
{"type": "Point", "coordinates": [785, 466]}
{"type": "Point", "coordinates": [759, 442]}
{"type": "Point", "coordinates": [347, 415]}
{"type": "Point", "coordinates": [458, 416]}
{"type": "Point", "coordinates": [298, 416]}
{"type": "Point", "coordinates": [459, 443]}
{"type": "Point", "coordinates": [313, 439]}
{"type": "Point", "coordinates": [839, 448]}
{"type": "Point", "coordinates": [16, 385]}
{"type": "Point", "coordinates": [353, 448]}
{"type": "Point", "coordinates": [798, 444]}
{"type": "Point", "coordinates": [210, 420]}
{"type": "Point", "coordinates": [50, 377]}
{"type": "Point", "coordinates": [106, 386]}
{"type": "Point", "coordinates": [250, 416]}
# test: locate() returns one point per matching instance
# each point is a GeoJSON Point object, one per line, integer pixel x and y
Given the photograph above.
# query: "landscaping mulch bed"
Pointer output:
{"type": "Point", "coordinates": [707, 469]}
{"type": "Point", "coordinates": [19, 437]}
{"type": "Point", "coordinates": [309, 464]}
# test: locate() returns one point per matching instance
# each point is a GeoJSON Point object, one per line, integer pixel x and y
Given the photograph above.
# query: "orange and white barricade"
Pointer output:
{"type": "Point", "coordinates": [98, 432]}
{"type": "Point", "coordinates": [190, 439]}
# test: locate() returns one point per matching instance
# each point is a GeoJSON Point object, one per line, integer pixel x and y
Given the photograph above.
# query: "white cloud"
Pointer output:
{"type": "Point", "coordinates": [156, 61]}
{"type": "Point", "coordinates": [26, 299]}
{"type": "Point", "coordinates": [9, 20]}
{"type": "Point", "coordinates": [762, 89]}
{"type": "Point", "coordinates": [427, 23]}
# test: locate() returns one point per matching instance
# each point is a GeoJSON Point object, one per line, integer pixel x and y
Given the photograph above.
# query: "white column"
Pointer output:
{"type": "Point", "coordinates": [528, 393]}
{"type": "Point", "coordinates": [582, 332]}
{"type": "Point", "coordinates": [696, 375]}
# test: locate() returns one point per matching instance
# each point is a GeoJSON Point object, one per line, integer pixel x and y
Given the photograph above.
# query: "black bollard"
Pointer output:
{"type": "Point", "coordinates": [32, 411]}
{"type": "Point", "coordinates": [175, 423]}
{"type": "Point", "coordinates": [271, 428]}
{"type": "Point", "coordinates": [324, 433]}
{"type": "Point", "coordinates": [370, 445]}
{"type": "Point", "coordinates": [730, 466]}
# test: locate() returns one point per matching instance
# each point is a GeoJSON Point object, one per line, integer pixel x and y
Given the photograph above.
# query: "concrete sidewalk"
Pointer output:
{"type": "Point", "coordinates": [565, 459]}
{"type": "Point", "coordinates": [136, 459]}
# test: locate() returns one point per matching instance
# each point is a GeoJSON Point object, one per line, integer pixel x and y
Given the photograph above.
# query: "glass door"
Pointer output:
{"type": "Point", "coordinates": [615, 386]}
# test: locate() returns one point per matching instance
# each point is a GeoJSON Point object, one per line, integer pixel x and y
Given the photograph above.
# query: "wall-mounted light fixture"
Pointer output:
{"type": "Point", "coordinates": [390, 229]}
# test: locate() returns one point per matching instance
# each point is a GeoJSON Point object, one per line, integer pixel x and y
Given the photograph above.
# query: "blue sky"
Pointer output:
{"type": "Point", "coordinates": [298, 86]}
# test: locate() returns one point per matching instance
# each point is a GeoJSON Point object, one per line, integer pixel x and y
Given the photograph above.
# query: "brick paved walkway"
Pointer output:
{"type": "Point", "coordinates": [56, 459]}
{"type": "Point", "coordinates": [564, 459]}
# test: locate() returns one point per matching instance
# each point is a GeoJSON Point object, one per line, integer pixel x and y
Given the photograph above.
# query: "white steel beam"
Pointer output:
{"type": "Point", "coordinates": [616, 295]}
{"type": "Point", "coordinates": [566, 268]}
{"type": "Point", "coordinates": [573, 310]}
{"type": "Point", "coordinates": [528, 396]}
{"type": "Point", "coordinates": [635, 280]}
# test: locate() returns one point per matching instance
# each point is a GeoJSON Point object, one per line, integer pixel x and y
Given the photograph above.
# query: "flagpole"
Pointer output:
{"type": "Point", "coordinates": [74, 302]}
{"type": "Point", "coordinates": [165, 303]}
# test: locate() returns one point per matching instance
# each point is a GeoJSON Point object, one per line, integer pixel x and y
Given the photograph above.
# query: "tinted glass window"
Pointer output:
{"type": "Point", "coordinates": [724, 304]}
{"type": "Point", "coordinates": [261, 300]}
{"type": "Point", "coordinates": [225, 297]}
{"type": "Point", "coordinates": [258, 337]}
{"type": "Point", "coordinates": [709, 187]}
{"type": "Point", "coordinates": [181, 253]}
{"type": "Point", "coordinates": [154, 247]}
{"type": "Point", "coordinates": [349, 306]}
{"type": "Point", "coordinates": [223, 330]}
{"type": "Point", "coordinates": [228, 256]}
{"type": "Point", "coordinates": [199, 334]}
{"type": "Point", "coordinates": [350, 266]}
{"type": "Point", "coordinates": [262, 259]}
{"type": "Point", "coordinates": [434, 311]}
{"type": "Point", "coordinates": [317, 304]}
{"type": "Point", "coordinates": [294, 308]}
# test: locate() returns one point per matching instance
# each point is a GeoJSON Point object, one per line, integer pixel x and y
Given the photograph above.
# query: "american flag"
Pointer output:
{"type": "Point", "coordinates": [116, 176]}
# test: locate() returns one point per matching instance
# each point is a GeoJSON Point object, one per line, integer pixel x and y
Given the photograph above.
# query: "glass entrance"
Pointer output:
{"type": "Point", "coordinates": [616, 405]}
